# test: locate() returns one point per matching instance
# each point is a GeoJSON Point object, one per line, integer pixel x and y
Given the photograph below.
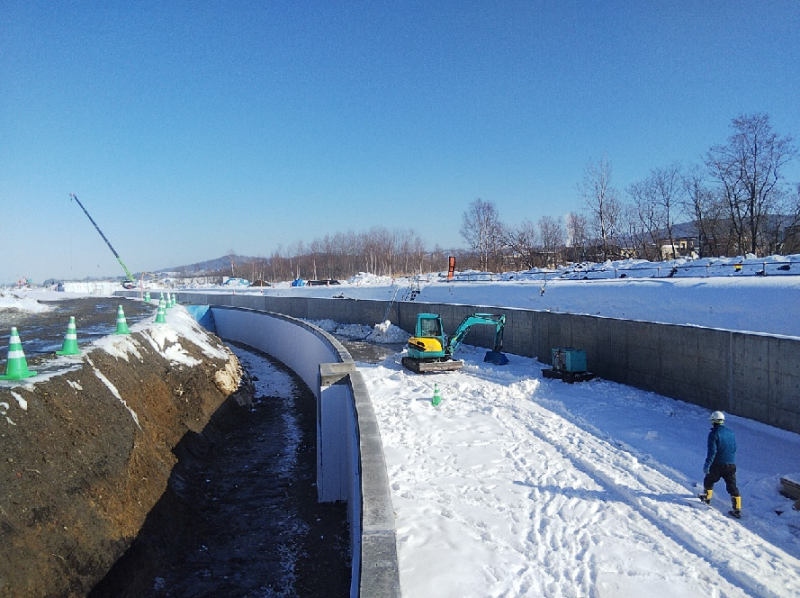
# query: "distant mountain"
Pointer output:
{"type": "Point", "coordinates": [220, 264]}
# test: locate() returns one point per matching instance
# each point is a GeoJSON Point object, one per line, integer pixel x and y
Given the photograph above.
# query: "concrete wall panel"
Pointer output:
{"type": "Point", "coordinates": [351, 465]}
{"type": "Point", "coordinates": [752, 375]}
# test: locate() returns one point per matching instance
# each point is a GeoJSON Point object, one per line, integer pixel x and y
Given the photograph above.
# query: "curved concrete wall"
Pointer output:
{"type": "Point", "coordinates": [350, 462]}
{"type": "Point", "coordinates": [756, 376]}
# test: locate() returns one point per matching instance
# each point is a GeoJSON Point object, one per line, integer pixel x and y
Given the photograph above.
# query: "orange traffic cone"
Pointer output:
{"type": "Point", "coordinates": [17, 367]}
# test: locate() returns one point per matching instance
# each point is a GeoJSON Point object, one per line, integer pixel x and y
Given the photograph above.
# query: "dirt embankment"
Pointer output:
{"type": "Point", "coordinates": [86, 454]}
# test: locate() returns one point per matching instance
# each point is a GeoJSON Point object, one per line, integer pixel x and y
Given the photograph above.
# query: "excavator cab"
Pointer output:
{"type": "Point", "coordinates": [428, 341]}
{"type": "Point", "coordinates": [429, 325]}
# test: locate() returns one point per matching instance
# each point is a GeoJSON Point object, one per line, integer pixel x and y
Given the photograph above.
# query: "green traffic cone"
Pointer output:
{"type": "Point", "coordinates": [122, 325]}
{"type": "Point", "coordinates": [147, 296]}
{"type": "Point", "coordinates": [436, 396]}
{"type": "Point", "coordinates": [161, 316]}
{"type": "Point", "coordinates": [16, 367]}
{"type": "Point", "coordinates": [70, 346]}
{"type": "Point", "coordinates": [169, 301]}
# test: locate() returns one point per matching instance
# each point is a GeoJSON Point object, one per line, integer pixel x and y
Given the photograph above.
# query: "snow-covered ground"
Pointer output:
{"type": "Point", "coordinates": [755, 294]}
{"type": "Point", "coordinates": [516, 485]}
{"type": "Point", "coordinates": [750, 294]}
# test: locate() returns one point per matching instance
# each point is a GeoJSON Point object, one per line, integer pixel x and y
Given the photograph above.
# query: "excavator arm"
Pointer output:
{"type": "Point", "coordinates": [497, 320]}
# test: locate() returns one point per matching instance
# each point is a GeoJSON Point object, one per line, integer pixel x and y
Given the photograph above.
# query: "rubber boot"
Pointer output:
{"type": "Point", "coordinates": [736, 502]}
{"type": "Point", "coordinates": [706, 496]}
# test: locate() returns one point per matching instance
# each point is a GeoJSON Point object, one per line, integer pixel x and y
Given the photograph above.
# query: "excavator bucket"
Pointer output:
{"type": "Point", "coordinates": [495, 357]}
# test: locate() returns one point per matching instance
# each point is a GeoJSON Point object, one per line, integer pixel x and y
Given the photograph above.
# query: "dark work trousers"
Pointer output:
{"type": "Point", "coordinates": [727, 473]}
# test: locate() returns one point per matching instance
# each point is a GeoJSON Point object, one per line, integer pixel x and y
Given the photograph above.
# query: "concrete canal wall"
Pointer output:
{"type": "Point", "coordinates": [350, 462]}
{"type": "Point", "coordinates": [756, 376]}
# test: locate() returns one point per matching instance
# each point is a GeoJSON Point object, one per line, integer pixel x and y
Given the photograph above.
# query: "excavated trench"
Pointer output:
{"type": "Point", "coordinates": [232, 483]}
{"type": "Point", "coordinates": [240, 517]}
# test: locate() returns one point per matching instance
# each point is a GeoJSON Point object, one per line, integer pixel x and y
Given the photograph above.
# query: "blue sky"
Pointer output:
{"type": "Point", "coordinates": [191, 128]}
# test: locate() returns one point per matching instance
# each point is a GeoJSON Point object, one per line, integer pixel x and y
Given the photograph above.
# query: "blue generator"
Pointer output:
{"type": "Point", "coordinates": [568, 359]}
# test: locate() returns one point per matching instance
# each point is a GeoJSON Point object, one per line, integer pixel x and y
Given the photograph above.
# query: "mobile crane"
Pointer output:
{"type": "Point", "coordinates": [429, 351]}
{"type": "Point", "coordinates": [130, 282]}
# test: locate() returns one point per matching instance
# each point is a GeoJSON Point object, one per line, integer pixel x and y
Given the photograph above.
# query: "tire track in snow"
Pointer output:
{"type": "Point", "coordinates": [601, 504]}
{"type": "Point", "coordinates": [575, 504]}
{"type": "Point", "coordinates": [654, 496]}
{"type": "Point", "coordinates": [444, 479]}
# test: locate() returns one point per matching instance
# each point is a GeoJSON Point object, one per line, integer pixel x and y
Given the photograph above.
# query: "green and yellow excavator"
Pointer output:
{"type": "Point", "coordinates": [430, 351]}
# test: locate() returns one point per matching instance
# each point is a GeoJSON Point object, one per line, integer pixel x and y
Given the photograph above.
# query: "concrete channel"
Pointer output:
{"type": "Point", "coordinates": [756, 376]}
{"type": "Point", "coordinates": [350, 461]}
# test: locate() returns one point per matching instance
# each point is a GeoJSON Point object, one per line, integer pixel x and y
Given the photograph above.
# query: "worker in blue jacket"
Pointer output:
{"type": "Point", "coordinates": [721, 463]}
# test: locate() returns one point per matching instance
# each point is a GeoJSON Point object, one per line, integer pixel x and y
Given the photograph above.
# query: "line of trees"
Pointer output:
{"type": "Point", "coordinates": [379, 251]}
{"type": "Point", "coordinates": [736, 202]}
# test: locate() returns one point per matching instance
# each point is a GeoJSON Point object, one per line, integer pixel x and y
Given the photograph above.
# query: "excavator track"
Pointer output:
{"type": "Point", "coordinates": [422, 366]}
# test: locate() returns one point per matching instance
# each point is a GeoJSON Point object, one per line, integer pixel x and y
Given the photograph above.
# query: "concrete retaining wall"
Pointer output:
{"type": "Point", "coordinates": [756, 376]}
{"type": "Point", "coordinates": [350, 462]}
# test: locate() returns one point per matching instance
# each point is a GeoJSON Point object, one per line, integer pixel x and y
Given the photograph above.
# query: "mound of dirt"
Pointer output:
{"type": "Point", "coordinates": [86, 453]}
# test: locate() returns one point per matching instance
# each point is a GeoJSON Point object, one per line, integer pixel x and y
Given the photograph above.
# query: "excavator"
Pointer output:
{"type": "Point", "coordinates": [430, 351]}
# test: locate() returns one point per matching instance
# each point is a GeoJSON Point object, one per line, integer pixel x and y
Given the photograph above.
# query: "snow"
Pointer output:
{"type": "Point", "coordinates": [23, 404]}
{"type": "Point", "coordinates": [20, 300]}
{"type": "Point", "coordinates": [739, 293]}
{"type": "Point", "coordinates": [387, 333]}
{"type": "Point", "coordinates": [114, 391]}
{"type": "Point", "coordinates": [712, 293]}
{"type": "Point", "coordinates": [517, 485]}
{"type": "Point", "coordinates": [382, 333]}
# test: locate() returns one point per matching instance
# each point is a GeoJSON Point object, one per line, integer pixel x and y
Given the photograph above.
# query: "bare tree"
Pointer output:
{"type": "Point", "coordinates": [709, 212]}
{"type": "Point", "coordinates": [577, 236]}
{"type": "Point", "coordinates": [790, 237]}
{"type": "Point", "coordinates": [637, 239]}
{"type": "Point", "coordinates": [749, 171]}
{"type": "Point", "coordinates": [552, 234]}
{"type": "Point", "coordinates": [481, 229]}
{"type": "Point", "coordinates": [643, 220]}
{"type": "Point", "coordinates": [523, 241]}
{"type": "Point", "coordinates": [602, 203]}
{"type": "Point", "coordinates": [656, 201]}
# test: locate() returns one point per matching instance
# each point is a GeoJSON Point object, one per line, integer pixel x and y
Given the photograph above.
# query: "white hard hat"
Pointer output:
{"type": "Point", "coordinates": [717, 417]}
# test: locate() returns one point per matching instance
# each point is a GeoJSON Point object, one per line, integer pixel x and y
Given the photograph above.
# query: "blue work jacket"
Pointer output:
{"type": "Point", "coordinates": [721, 447]}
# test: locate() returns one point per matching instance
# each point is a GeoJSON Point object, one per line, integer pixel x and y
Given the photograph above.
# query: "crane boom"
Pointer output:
{"type": "Point", "coordinates": [114, 251]}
